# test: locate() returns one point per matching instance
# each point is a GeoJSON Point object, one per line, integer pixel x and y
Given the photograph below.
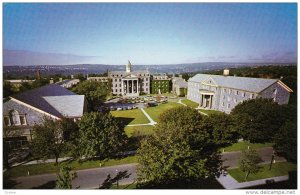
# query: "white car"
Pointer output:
{"type": "Point", "coordinates": [118, 109]}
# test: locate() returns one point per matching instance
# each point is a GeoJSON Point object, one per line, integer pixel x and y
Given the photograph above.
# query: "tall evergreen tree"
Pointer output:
{"type": "Point", "coordinates": [65, 177]}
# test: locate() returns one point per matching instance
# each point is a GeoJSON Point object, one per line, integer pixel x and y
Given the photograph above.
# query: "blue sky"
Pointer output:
{"type": "Point", "coordinates": [148, 33]}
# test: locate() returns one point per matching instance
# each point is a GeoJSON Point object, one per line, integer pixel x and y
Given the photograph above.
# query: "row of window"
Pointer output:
{"type": "Point", "coordinates": [113, 75]}
{"type": "Point", "coordinates": [15, 119]}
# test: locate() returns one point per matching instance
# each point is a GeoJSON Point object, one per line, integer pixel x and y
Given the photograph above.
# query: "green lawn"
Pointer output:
{"type": "Point", "coordinates": [244, 145]}
{"type": "Point", "coordinates": [190, 103]}
{"type": "Point", "coordinates": [51, 168]}
{"type": "Point", "coordinates": [209, 112]}
{"type": "Point", "coordinates": [278, 169]}
{"type": "Point", "coordinates": [130, 117]}
{"type": "Point", "coordinates": [154, 112]}
{"type": "Point", "coordinates": [139, 130]}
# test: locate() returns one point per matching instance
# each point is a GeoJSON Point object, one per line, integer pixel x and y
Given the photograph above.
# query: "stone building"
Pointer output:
{"type": "Point", "coordinates": [223, 92]}
{"type": "Point", "coordinates": [26, 109]}
{"type": "Point", "coordinates": [160, 83]}
{"type": "Point", "coordinates": [179, 86]}
{"type": "Point", "coordinates": [130, 83]}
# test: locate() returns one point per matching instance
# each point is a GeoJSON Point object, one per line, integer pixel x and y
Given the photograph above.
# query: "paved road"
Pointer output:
{"type": "Point", "coordinates": [91, 178]}
{"type": "Point", "coordinates": [86, 179]}
{"type": "Point", "coordinates": [231, 158]}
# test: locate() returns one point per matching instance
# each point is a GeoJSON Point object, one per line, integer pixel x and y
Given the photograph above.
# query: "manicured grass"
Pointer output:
{"type": "Point", "coordinates": [135, 116]}
{"type": "Point", "coordinates": [278, 169]}
{"type": "Point", "coordinates": [190, 103]}
{"type": "Point", "coordinates": [244, 145]}
{"type": "Point", "coordinates": [139, 130]}
{"type": "Point", "coordinates": [154, 112]}
{"type": "Point", "coordinates": [51, 168]}
{"type": "Point", "coordinates": [209, 112]}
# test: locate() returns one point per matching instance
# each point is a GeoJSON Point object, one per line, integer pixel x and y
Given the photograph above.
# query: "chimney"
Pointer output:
{"type": "Point", "coordinates": [60, 80]}
{"type": "Point", "coordinates": [226, 72]}
{"type": "Point", "coordinates": [72, 76]}
{"type": "Point", "coordinates": [180, 76]}
{"type": "Point", "coordinates": [51, 81]}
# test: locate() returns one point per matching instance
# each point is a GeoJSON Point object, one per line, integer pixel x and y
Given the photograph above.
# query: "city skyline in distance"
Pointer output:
{"type": "Point", "coordinates": [149, 33]}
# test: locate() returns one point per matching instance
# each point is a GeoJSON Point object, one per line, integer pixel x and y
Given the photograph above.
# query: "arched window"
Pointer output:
{"type": "Point", "coordinates": [15, 118]}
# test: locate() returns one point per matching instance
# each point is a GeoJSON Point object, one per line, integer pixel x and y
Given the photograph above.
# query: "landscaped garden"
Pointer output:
{"type": "Point", "coordinates": [278, 169]}
{"type": "Point", "coordinates": [130, 117]}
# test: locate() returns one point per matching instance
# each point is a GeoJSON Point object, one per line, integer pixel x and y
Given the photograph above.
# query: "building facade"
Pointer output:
{"type": "Point", "coordinates": [160, 84]}
{"type": "Point", "coordinates": [26, 109]}
{"type": "Point", "coordinates": [223, 93]}
{"type": "Point", "coordinates": [179, 86]}
{"type": "Point", "coordinates": [130, 83]}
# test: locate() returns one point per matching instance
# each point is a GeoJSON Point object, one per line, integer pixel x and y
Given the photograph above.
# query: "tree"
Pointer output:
{"type": "Point", "coordinates": [179, 149]}
{"type": "Point", "coordinates": [257, 120]}
{"type": "Point", "coordinates": [220, 126]}
{"type": "Point", "coordinates": [95, 93]}
{"type": "Point", "coordinates": [48, 139]}
{"type": "Point", "coordinates": [286, 141]}
{"type": "Point", "coordinates": [7, 89]}
{"type": "Point", "coordinates": [248, 162]}
{"type": "Point", "coordinates": [101, 135]}
{"type": "Point", "coordinates": [65, 177]}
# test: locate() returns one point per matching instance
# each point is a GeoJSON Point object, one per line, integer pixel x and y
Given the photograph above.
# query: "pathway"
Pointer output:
{"type": "Point", "coordinates": [229, 182]}
{"type": "Point", "coordinates": [180, 102]}
{"type": "Point", "coordinates": [152, 122]}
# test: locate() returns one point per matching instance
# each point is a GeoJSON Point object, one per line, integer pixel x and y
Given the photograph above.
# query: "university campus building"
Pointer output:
{"type": "Point", "coordinates": [224, 92]}
{"type": "Point", "coordinates": [160, 84]}
{"type": "Point", "coordinates": [26, 109]}
{"type": "Point", "coordinates": [130, 83]}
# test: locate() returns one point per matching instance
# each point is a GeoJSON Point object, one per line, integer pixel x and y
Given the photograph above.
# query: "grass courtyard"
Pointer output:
{"type": "Point", "coordinates": [190, 103]}
{"type": "Point", "coordinates": [278, 169]}
{"type": "Point", "coordinates": [154, 112]}
{"type": "Point", "coordinates": [130, 117]}
{"type": "Point", "coordinates": [139, 130]}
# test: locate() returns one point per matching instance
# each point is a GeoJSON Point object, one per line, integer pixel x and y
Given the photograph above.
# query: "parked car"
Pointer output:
{"type": "Point", "coordinates": [129, 107]}
{"type": "Point", "coordinates": [118, 109]}
{"type": "Point", "coordinates": [134, 107]}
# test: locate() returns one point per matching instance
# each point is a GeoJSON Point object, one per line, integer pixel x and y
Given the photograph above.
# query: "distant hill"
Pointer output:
{"type": "Point", "coordinates": [29, 71]}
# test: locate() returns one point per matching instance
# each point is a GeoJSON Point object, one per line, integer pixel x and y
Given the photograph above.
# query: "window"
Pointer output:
{"type": "Point", "coordinates": [23, 120]}
{"type": "Point", "coordinates": [119, 80]}
{"type": "Point", "coordinates": [252, 96]}
{"type": "Point", "coordinates": [15, 118]}
{"type": "Point", "coordinates": [120, 85]}
{"type": "Point", "coordinates": [116, 85]}
{"type": "Point", "coordinates": [275, 91]}
{"type": "Point", "coordinates": [116, 80]}
{"type": "Point", "coordinates": [223, 104]}
{"type": "Point", "coordinates": [244, 94]}
{"type": "Point", "coordinates": [7, 121]}
{"type": "Point", "coordinates": [236, 92]}
{"type": "Point", "coordinates": [146, 84]}
{"type": "Point", "coordinates": [116, 90]}
{"type": "Point", "coordinates": [229, 91]}
{"type": "Point", "coordinates": [235, 100]}
{"type": "Point", "coordinates": [120, 90]}
{"type": "Point", "coordinates": [224, 90]}
{"type": "Point", "coordinates": [228, 105]}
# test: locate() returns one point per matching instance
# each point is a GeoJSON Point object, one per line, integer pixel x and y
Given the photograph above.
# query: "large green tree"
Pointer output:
{"type": "Point", "coordinates": [48, 139]}
{"type": "Point", "coordinates": [249, 161]}
{"type": "Point", "coordinates": [95, 92]}
{"type": "Point", "coordinates": [179, 149]}
{"type": "Point", "coordinates": [101, 135]}
{"type": "Point", "coordinates": [220, 126]}
{"type": "Point", "coordinates": [65, 177]}
{"type": "Point", "coordinates": [286, 141]}
{"type": "Point", "coordinates": [257, 120]}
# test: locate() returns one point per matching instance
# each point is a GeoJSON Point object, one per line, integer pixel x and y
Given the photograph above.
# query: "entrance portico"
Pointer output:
{"type": "Point", "coordinates": [206, 99]}
{"type": "Point", "coordinates": [130, 86]}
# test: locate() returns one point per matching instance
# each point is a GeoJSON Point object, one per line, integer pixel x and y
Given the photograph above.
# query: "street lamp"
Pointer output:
{"type": "Point", "coordinates": [117, 178]}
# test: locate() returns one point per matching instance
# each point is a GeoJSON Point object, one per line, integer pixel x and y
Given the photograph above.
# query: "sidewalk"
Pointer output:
{"type": "Point", "coordinates": [229, 182]}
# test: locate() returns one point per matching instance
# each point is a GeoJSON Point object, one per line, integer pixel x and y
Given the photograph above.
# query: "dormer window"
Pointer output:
{"type": "Point", "coordinates": [14, 118]}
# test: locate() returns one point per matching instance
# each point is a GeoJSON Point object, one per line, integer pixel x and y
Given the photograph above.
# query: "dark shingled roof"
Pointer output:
{"type": "Point", "coordinates": [35, 97]}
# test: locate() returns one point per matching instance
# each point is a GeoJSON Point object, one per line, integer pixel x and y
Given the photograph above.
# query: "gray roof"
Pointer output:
{"type": "Point", "coordinates": [243, 83]}
{"type": "Point", "coordinates": [39, 98]}
{"type": "Point", "coordinates": [68, 106]}
{"type": "Point", "coordinates": [182, 84]}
